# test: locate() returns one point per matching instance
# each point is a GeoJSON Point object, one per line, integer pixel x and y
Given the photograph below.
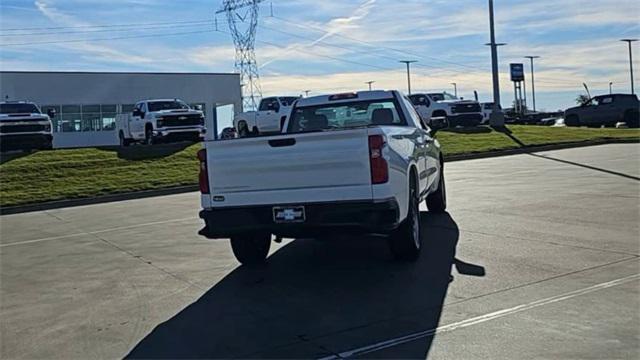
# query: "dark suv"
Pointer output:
{"type": "Point", "coordinates": [605, 110]}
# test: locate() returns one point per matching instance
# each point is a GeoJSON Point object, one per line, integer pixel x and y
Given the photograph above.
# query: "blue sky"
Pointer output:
{"type": "Point", "coordinates": [332, 45]}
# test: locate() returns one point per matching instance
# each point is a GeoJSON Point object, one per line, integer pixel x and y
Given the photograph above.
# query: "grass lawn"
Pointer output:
{"type": "Point", "coordinates": [77, 173]}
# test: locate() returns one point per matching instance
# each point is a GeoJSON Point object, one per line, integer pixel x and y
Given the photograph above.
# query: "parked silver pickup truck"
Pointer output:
{"type": "Point", "coordinates": [347, 162]}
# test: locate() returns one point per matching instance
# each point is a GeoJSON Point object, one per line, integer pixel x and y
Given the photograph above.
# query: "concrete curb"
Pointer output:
{"type": "Point", "coordinates": [7, 210]}
{"type": "Point", "coordinates": [537, 148]}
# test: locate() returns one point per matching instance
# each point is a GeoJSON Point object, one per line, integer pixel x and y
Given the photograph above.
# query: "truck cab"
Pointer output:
{"type": "Point", "coordinates": [160, 120]}
{"type": "Point", "coordinates": [24, 127]}
{"type": "Point", "coordinates": [457, 111]}
{"type": "Point", "coordinates": [271, 115]}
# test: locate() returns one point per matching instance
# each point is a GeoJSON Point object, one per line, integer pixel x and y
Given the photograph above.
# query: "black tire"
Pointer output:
{"type": "Point", "coordinates": [632, 119]}
{"type": "Point", "coordinates": [251, 248]}
{"type": "Point", "coordinates": [148, 136]}
{"type": "Point", "coordinates": [572, 120]}
{"type": "Point", "coordinates": [123, 141]}
{"type": "Point", "coordinates": [437, 201]}
{"type": "Point", "coordinates": [405, 242]}
{"type": "Point", "coordinates": [243, 129]}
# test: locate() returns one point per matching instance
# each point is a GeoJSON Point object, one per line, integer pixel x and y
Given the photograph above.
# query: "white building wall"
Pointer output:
{"type": "Point", "coordinates": [89, 88]}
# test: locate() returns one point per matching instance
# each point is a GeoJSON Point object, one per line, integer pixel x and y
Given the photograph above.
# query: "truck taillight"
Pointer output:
{"type": "Point", "coordinates": [379, 166]}
{"type": "Point", "coordinates": [203, 176]}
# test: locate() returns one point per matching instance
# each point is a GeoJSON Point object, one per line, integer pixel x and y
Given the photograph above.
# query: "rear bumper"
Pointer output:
{"type": "Point", "coordinates": [26, 141]}
{"type": "Point", "coordinates": [362, 216]}
{"type": "Point", "coordinates": [472, 119]}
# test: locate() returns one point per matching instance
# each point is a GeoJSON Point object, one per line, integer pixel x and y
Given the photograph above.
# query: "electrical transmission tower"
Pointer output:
{"type": "Point", "coordinates": [242, 16]}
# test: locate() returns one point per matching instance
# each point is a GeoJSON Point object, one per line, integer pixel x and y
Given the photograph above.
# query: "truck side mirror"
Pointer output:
{"type": "Point", "coordinates": [136, 112]}
{"type": "Point", "coordinates": [51, 113]}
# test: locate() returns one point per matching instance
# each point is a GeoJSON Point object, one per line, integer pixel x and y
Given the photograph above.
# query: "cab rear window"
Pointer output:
{"type": "Point", "coordinates": [345, 115]}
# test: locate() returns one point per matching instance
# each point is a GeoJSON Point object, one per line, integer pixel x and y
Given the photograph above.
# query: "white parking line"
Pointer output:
{"type": "Point", "coordinates": [94, 232]}
{"type": "Point", "coordinates": [477, 320]}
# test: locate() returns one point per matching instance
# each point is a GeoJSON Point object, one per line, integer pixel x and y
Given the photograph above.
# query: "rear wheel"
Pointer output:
{"type": "Point", "coordinates": [123, 141]}
{"type": "Point", "coordinates": [148, 136]}
{"type": "Point", "coordinates": [405, 243]}
{"type": "Point", "coordinates": [632, 118]}
{"type": "Point", "coordinates": [437, 202]}
{"type": "Point", "coordinates": [251, 248]}
{"type": "Point", "coordinates": [572, 120]}
{"type": "Point", "coordinates": [243, 129]}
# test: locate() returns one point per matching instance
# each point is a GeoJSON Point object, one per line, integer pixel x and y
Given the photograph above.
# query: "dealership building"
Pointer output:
{"type": "Point", "coordinates": [86, 103]}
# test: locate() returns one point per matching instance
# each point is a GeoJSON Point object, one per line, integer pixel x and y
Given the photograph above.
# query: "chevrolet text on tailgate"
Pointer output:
{"type": "Point", "coordinates": [348, 162]}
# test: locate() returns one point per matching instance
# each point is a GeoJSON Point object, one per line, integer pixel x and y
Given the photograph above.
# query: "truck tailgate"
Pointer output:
{"type": "Point", "coordinates": [288, 169]}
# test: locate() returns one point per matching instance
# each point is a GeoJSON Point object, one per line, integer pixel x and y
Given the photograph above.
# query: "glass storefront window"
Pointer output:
{"type": "Point", "coordinates": [108, 121]}
{"type": "Point", "coordinates": [126, 108]}
{"type": "Point", "coordinates": [199, 106]}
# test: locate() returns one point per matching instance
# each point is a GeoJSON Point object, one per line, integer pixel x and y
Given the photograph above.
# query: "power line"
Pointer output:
{"type": "Point", "coordinates": [171, 26]}
{"type": "Point", "coordinates": [107, 39]}
{"type": "Point", "coordinates": [324, 43]}
{"type": "Point", "coordinates": [373, 44]}
{"type": "Point", "coordinates": [104, 26]}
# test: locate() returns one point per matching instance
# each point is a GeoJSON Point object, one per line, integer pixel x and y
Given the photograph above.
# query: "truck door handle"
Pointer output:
{"type": "Point", "coordinates": [282, 142]}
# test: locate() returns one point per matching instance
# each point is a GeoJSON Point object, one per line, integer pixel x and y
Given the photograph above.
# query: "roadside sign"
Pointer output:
{"type": "Point", "coordinates": [517, 72]}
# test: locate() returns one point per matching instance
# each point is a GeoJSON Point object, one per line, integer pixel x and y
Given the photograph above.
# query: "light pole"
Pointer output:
{"type": "Point", "coordinates": [533, 82]}
{"type": "Point", "coordinates": [455, 89]}
{"type": "Point", "coordinates": [497, 117]}
{"type": "Point", "coordinates": [629, 41]}
{"type": "Point", "coordinates": [408, 62]}
{"type": "Point", "coordinates": [306, 93]}
{"type": "Point", "coordinates": [369, 83]}
{"type": "Point", "coordinates": [610, 92]}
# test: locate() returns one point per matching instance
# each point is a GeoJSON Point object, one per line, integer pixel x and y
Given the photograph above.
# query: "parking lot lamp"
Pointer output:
{"type": "Point", "coordinates": [629, 41]}
{"type": "Point", "coordinates": [496, 117]}
{"type": "Point", "coordinates": [369, 83]}
{"type": "Point", "coordinates": [408, 62]}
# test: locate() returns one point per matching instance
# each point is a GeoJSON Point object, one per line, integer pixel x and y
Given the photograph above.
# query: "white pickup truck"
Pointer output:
{"type": "Point", "coordinates": [270, 117]}
{"type": "Point", "coordinates": [358, 161]}
{"type": "Point", "coordinates": [24, 127]}
{"type": "Point", "coordinates": [154, 121]}
{"type": "Point", "coordinates": [458, 112]}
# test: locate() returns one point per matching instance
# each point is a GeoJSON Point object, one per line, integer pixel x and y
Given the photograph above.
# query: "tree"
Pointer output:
{"type": "Point", "coordinates": [582, 99]}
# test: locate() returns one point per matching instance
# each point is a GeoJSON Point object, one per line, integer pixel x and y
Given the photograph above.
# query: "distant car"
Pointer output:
{"type": "Point", "coordinates": [24, 127]}
{"type": "Point", "coordinates": [605, 110]}
{"type": "Point", "coordinates": [548, 121]}
{"type": "Point", "coordinates": [228, 133]}
{"type": "Point", "coordinates": [487, 109]}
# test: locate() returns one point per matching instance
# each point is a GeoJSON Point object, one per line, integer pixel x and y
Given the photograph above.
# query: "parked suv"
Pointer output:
{"type": "Point", "coordinates": [605, 110]}
{"type": "Point", "coordinates": [24, 127]}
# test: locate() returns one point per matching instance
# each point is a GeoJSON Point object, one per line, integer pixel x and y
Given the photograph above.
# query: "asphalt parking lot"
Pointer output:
{"type": "Point", "coordinates": [537, 258]}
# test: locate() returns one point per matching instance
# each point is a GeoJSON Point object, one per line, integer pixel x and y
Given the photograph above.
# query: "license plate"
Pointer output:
{"type": "Point", "coordinates": [288, 214]}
